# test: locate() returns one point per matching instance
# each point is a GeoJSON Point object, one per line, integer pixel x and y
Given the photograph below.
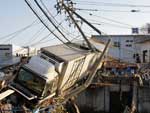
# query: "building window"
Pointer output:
{"type": "Point", "coordinates": [128, 45]}
{"type": "Point", "coordinates": [137, 58]}
{"type": "Point", "coordinates": [117, 44]}
{"type": "Point", "coordinates": [7, 54]}
{"type": "Point", "coordinates": [4, 48]}
{"type": "Point", "coordinates": [129, 41]}
{"type": "Point", "coordinates": [135, 30]}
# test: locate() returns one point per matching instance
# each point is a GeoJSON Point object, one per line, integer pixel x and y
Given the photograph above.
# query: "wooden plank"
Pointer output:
{"type": "Point", "coordinates": [6, 93]}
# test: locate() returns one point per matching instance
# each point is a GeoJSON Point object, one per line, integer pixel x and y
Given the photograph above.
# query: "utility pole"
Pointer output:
{"type": "Point", "coordinates": [80, 30]}
{"type": "Point", "coordinates": [60, 6]}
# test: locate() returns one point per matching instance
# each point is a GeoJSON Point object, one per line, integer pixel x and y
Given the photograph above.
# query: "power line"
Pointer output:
{"type": "Point", "coordinates": [96, 22]}
{"type": "Point", "coordinates": [35, 12]}
{"type": "Point", "coordinates": [112, 20]}
{"type": "Point", "coordinates": [50, 20]}
{"type": "Point", "coordinates": [122, 11]}
{"type": "Point", "coordinates": [109, 4]}
{"type": "Point", "coordinates": [42, 42]}
{"type": "Point", "coordinates": [114, 25]}
{"type": "Point", "coordinates": [61, 27]}
{"type": "Point", "coordinates": [76, 38]}
{"type": "Point", "coordinates": [36, 35]}
{"type": "Point", "coordinates": [12, 37]}
{"type": "Point", "coordinates": [45, 36]}
{"type": "Point", "coordinates": [20, 30]}
{"type": "Point", "coordinates": [42, 21]}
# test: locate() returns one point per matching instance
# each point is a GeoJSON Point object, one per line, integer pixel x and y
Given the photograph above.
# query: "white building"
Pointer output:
{"type": "Point", "coordinates": [5, 51]}
{"type": "Point", "coordinates": [11, 54]}
{"type": "Point", "coordinates": [6, 56]}
{"type": "Point", "coordinates": [24, 51]}
{"type": "Point", "coordinates": [124, 47]}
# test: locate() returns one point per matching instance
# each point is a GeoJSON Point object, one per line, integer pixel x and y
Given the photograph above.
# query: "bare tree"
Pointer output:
{"type": "Point", "coordinates": [145, 29]}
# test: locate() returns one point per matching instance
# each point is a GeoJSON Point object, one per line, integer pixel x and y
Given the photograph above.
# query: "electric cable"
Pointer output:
{"type": "Point", "coordinates": [36, 35]}
{"type": "Point", "coordinates": [30, 6]}
{"type": "Point", "coordinates": [61, 27]}
{"type": "Point", "coordinates": [50, 19]}
{"type": "Point", "coordinates": [46, 35]}
{"type": "Point", "coordinates": [105, 23]}
{"type": "Point", "coordinates": [108, 19]}
{"type": "Point", "coordinates": [122, 11]}
{"type": "Point", "coordinates": [109, 4]}
{"type": "Point", "coordinates": [20, 30]}
{"type": "Point", "coordinates": [43, 21]}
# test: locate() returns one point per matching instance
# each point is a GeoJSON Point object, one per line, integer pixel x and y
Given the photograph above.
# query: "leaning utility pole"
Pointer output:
{"type": "Point", "coordinates": [61, 5]}
{"type": "Point", "coordinates": [70, 10]}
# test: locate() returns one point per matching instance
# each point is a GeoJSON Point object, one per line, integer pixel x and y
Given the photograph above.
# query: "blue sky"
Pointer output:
{"type": "Point", "coordinates": [15, 14]}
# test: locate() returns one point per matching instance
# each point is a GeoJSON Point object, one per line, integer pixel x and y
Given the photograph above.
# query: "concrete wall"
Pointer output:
{"type": "Point", "coordinates": [143, 100]}
{"type": "Point", "coordinates": [126, 49]}
{"type": "Point", "coordinates": [97, 100]}
{"type": "Point", "coordinates": [93, 100]}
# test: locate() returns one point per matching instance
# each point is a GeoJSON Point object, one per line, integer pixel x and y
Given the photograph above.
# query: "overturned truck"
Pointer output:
{"type": "Point", "coordinates": [60, 70]}
{"type": "Point", "coordinates": [57, 71]}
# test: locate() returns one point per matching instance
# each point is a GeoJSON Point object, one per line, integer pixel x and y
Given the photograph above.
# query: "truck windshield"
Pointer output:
{"type": "Point", "coordinates": [30, 81]}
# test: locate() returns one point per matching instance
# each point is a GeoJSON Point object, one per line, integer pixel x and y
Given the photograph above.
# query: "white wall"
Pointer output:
{"type": "Point", "coordinates": [23, 51]}
{"type": "Point", "coordinates": [126, 50]}
{"type": "Point", "coordinates": [5, 52]}
{"type": "Point", "coordinates": [127, 47]}
{"type": "Point", "coordinates": [130, 45]}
